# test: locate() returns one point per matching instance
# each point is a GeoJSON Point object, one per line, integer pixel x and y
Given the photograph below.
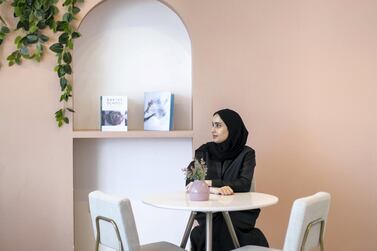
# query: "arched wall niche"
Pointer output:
{"type": "Point", "coordinates": [91, 5]}
{"type": "Point", "coordinates": [127, 48]}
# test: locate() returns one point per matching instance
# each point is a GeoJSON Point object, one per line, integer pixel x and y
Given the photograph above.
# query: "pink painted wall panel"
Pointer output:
{"type": "Point", "coordinates": [302, 75]}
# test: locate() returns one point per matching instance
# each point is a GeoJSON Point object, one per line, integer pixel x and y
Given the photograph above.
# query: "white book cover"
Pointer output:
{"type": "Point", "coordinates": [158, 111]}
{"type": "Point", "coordinates": [114, 113]}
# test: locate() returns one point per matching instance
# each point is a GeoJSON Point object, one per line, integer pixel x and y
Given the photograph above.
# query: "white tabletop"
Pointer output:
{"type": "Point", "coordinates": [216, 203]}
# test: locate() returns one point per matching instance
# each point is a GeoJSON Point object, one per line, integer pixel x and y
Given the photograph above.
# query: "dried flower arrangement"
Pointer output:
{"type": "Point", "coordinates": [196, 171]}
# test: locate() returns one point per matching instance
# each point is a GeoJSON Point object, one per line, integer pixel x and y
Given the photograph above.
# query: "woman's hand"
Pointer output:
{"type": "Point", "coordinates": [226, 190]}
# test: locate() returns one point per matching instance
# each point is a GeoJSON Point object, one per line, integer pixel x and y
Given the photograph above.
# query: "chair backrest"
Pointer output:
{"type": "Point", "coordinates": [253, 185]}
{"type": "Point", "coordinates": [110, 213]}
{"type": "Point", "coordinates": [307, 223]}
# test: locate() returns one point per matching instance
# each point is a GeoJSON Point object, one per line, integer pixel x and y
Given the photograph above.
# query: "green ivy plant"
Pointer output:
{"type": "Point", "coordinates": [4, 30]}
{"type": "Point", "coordinates": [34, 17]}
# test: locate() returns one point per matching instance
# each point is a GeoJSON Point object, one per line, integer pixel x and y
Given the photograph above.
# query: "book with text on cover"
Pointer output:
{"type": "Point", "coordinates": [114, 113]}
{"type": "Point", "coordinates": [158, 111]}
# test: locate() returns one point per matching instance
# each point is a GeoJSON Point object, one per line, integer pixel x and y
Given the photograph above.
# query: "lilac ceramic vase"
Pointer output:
{"type": "Point", "coordinates": [199, 191]}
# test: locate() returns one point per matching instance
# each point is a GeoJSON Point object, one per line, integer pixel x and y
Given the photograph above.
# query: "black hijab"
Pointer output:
{"type": "Point", "coordinates": [234, 144]}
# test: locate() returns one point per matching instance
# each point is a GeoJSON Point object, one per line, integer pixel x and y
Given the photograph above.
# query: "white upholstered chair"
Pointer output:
{"type": "Point", "coordinates": [114, 225]}
{"type": "Point", "coordinates": [253, 186]}
{"type": "Point", "coordinates": [306, 225]}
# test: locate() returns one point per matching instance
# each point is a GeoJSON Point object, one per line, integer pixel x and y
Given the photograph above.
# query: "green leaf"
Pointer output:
{"type": "Point", "coordinates": [39, 47]}
{"type": "Point", "coordinates": [63, 83]}
{"type": "Point", "coordinates": [67, 57]}
{"type": "Point", "coordinates": [75, 34]}
{"type": "Point", "coordinates": [33, 28]}
{"type": "Point", "coordinates": [11, 56]}
{"type": "Point", "coordinates": [43, 38]}
{"type": "Point", "coordinates": [38, 52]}
{"type": "Point", "coordinates": [42, 24]}
{"type": "Point", "coordinates": [37, 8]}
{"type": "Point", "coordinates": [67, 2]}
{"type": "Point", "coordinates": [64, 97]}
{"type": "Point", "coordinates": [23, 24]}
{"type": "Point", "coordinates": [66, 120]}
{"type": "Point", "coordinates": [63, 38]}
{"type": "Point", "coordinates": [61, 71]}
{"type": "Point", "coordinates": [69, 90]}
{"type": "Point", "coordinates": [24, 51]}
{"type": "Point", "coordinates": [4, 29]}
{"type": "Point", "coordinates": [67, 17]}
{"type": "Point", "coordinates": [18, 59]}
{"type": "Point", "coordinates": [32, 38]}
{"type": "Point", "coordinates": [52, 24]}
{"type": "Point", "coordinates": [57, 48]}
{"type": "Point", "coordinates": [59, 116]}
{"type": "Point", "coordinates": [37, 57]}
{"type": "Point", "coordinates": [22, 42]}
{"type": "Point", "coordinates": [55, 10]}
{"type": "Point", "coordinates": [67, 69]}
{"type": "Point", "coordinates": [69, 109]}
{"type": "Point", "coordinates": [61, 26]}
{"type": "Point", "coordinates": [70, 44]}
{"type": "Point", "coordinates": [17, 40]}
{"type": "Point", "coordinates": [29, 2]}
{"type": "Point", "coordinates": [17, 11]}
{"type": "Point", "coordinates": [75, 10]}
{"type": "Point", "coordinates": [20, 25]}
{"type": "Point", "coordinates": [59, 113]}
{"type": "Point", "coordinates": [60, 58]}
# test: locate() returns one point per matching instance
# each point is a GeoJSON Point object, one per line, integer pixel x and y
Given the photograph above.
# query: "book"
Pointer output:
{"type": "Point", "coordinates": [114, 113]}
{"type": "Point", "coordinates": [158, 111]}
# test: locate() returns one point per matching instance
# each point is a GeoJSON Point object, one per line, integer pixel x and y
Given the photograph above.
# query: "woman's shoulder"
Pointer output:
{"type": "Point", "coordinates": [202, 151]}
{"type": "Point", "coordinates": [248, 149]}
{"type": "Point", "coordinates": [247, 152]}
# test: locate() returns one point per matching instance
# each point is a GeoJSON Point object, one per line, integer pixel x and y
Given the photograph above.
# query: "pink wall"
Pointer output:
{"type": "Point", "coordinates": [303, 76]}
{"type": "Point", "coordinates": [36, 204]}
{"type": "Point", "coordinates": [301, 73]}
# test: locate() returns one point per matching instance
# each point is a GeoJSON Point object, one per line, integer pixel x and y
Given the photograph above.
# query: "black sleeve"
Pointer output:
{"type": "Point", "coordinates": [243, 181]}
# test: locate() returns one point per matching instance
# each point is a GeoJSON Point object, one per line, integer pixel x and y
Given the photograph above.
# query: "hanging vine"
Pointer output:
{"type": "Point", "coordinates": [64, 57]}
{"type": "Point", "coordinates": [4, 30]}
{"type": "Point", "coordinates": [34, 16]}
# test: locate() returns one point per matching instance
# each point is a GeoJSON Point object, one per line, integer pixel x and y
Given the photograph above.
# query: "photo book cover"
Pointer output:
{"type": "Point", "coordinates": [114, 113]}
{"type": "Point", "coordinates": [158, 111]}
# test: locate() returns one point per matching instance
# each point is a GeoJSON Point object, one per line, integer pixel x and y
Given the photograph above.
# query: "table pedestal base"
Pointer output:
{"type": "Point", "coordinates": [209, 229]}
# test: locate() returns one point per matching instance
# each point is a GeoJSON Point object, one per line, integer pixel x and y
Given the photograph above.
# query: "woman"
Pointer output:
{"type": "Point", "coordinates": [230, 166]}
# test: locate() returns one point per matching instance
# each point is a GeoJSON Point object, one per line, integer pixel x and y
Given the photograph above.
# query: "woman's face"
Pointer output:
{"type": "Point", "coordinates": [219, 129]}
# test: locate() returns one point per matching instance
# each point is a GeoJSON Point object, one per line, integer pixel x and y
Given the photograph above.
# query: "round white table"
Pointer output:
{"type": "Point", "coordinates": [216, 203]}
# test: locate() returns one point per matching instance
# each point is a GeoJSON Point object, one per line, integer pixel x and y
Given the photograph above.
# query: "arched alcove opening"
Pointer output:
{"type": "Point", "coordinates": [129, 47]}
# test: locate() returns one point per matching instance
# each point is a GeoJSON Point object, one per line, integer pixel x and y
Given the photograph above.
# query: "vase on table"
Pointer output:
{"type": "Point", "coordinates": [199, 191]}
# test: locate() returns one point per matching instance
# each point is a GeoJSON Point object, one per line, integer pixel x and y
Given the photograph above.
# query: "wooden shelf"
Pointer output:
{"type": "Point", "coordinates": [96, 134]}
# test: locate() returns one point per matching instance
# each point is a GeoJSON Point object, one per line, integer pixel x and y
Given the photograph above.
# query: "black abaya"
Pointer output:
{"type": "Point", "coordinates": [237, 174]}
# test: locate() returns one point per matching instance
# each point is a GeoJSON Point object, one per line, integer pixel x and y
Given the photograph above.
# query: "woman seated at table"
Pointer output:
{"type": "Point", "coordinates": [230, 166]}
